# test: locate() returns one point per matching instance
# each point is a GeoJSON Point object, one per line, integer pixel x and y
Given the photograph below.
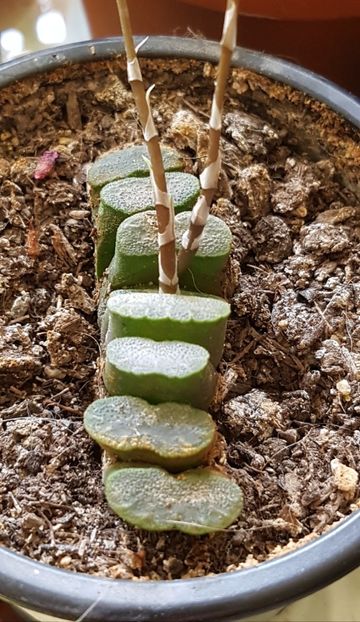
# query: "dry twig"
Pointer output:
{"type": "Point", "coordinates": [210, 175]}
{"type": "Point", "coordinates": [168, 279]}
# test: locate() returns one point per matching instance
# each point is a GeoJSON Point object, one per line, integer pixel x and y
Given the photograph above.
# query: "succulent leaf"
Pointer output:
{"type": "Point", "coordinates": [159, 371]}
{"type": "Point", "coordinates": [175, 436]}
{"type": "Point", "coordinates": [195, 502]}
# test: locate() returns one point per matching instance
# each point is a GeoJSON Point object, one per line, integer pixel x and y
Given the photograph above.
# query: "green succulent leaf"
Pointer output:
{"type": "Point", "coordinates": [191, 318]}
{"type": "Point", "coordinates": [135, 260]}
{"type": "Point", "coordinates": [159, 371]}
{"type": "Point", "coordinates": [172, 435]}
{"type": "Point", "coordinates": [129, 162]}
{"type": "Point", "coordinates": [195, 502]}
{"type": "Point", "coordinates": [125, 197]}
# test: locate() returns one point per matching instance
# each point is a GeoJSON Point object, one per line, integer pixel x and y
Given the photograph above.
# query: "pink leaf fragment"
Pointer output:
{"type": "Point", "coordinates": [45, 164]}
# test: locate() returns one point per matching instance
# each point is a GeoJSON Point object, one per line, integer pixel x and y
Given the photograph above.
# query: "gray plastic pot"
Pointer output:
{"type": "Point", "coordinates": [224, 597]}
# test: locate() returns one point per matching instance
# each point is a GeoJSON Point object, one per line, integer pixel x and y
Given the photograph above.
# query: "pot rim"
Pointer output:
{"type": "Point", "coordinates": [226, 596]}
{"type": "Point", "coordinates": [337, 98]}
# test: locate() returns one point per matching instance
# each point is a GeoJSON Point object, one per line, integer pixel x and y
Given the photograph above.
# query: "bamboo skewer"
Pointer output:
{"type": "Point", "coordinates": [210, 175]}
{"type": "Point", "coordinates": [168, 278]}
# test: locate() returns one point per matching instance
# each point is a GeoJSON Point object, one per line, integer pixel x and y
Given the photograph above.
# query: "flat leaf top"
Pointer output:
{"type": "Point", "coordinates": [196, 502]}
{"type": "Point", "coordinates": [128, 162]}
{"type": "Point", "coordinates": [185, 317]}
{"type": "Point", "coordinates": [180, 308]}
{"type": "Point", "coordinates": [160, 371]}
{"type": "Point", "coordinates": [216, 239]}
{"type": "Point", "coordinates": [140, 356]}
{"type": "Point", "coordinates": [137, 235]}
{"type": "Point", "coordinates": [126, 197]}
{"type": "Point", "coordinates": [134, 195]}
{"type": "Point", "coordinates": [138, 228]}
{"type": "Point", "coordinates": [174, 435]}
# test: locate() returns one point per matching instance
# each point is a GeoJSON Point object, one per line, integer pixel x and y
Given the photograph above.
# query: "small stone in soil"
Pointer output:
{"type": "Point", "coordinates": [322, 239]}
{"type": "Point", "coordinates": [45, 164]}
{"type": "Point", "coordinates": [345, 478]}
{"type": "Point", "coordinates": [252, 188]}
{"type": "Point", "coordinates": [254, 413]}
{"type": "Point", "coordinates": [293, 194]}
{"type": "Point", "coordinates": [272, 239]}
{"type": "Point", "coordinates": [250, 133]}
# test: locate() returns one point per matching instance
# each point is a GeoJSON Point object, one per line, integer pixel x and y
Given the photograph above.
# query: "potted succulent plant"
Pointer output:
{"type": "Point", "coordinates": [286, 400]}
{"type": "Point", "coordinates": [162, 347]}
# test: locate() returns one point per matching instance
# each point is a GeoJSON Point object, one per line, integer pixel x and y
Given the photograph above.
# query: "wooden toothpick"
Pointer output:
{"type": "Point", "coordinates": [210, 175]}
{"type": "Point", "coordinates": [168, 279]}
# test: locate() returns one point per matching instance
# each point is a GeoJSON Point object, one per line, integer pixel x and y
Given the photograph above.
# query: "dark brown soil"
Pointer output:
{"type": "Point", "coordinates": [288, 402]}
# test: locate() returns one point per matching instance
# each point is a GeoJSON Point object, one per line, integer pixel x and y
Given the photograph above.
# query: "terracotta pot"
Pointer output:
{"type": "Point", "coordinates": [289, 9]}
{"type": "Point", "coordinates": [322, 36]}
{"type": "Point", "coordinates": [153, 18]}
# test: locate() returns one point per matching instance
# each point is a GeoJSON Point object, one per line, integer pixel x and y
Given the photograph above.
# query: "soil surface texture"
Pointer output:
{"type": "Point", "coordinates": [288, 400]}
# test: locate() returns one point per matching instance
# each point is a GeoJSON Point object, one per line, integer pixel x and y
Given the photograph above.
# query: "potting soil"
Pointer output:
{"type": "Point", "coordinates": [288, 400]}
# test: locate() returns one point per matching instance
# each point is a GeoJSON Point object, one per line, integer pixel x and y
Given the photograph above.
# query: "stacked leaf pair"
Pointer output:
{"type": "Point", "coordinates": [127, 227]}
{"type": "Point", "coordinates": [161, 354]}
